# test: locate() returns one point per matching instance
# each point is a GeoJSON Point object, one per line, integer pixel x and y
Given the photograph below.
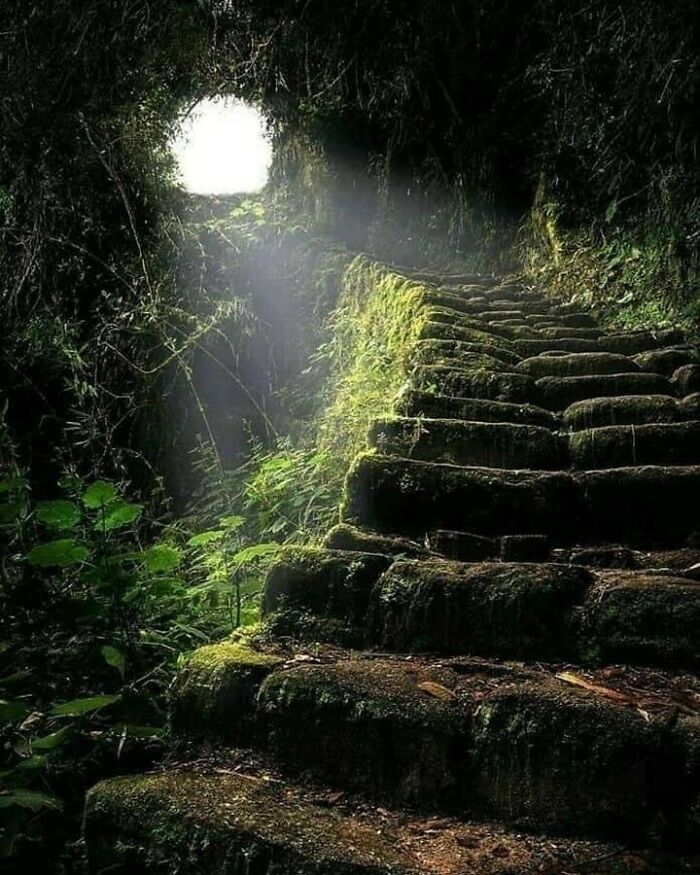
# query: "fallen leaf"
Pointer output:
{"type": "Point", "coordinates": [437, 691]}
{"type": "Point", "coordinates": [577, 681]}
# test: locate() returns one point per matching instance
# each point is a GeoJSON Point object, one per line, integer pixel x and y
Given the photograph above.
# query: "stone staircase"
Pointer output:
{"type": "Point", "coordinates": [490, 665]}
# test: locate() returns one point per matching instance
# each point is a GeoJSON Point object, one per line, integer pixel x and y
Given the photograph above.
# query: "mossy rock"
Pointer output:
{"type": "Point", "coordinates": [549, 758]}
{"type": "Point", "coordinates": [482, 334]}
{"type": "Point", "coordinates": [366, 725]}
{"type": "Point", "coordinates": [225, 825]}
{"type": "Point", "coordinates": [687, 380]}
{"type": "Point", "coordinates": [214, 694]}
{"type": "Point", "coordinates": [527, 348]}
{"type": "Point", "coordinates": [430, 351]}
{"type": "Point", "coordinates": [635, 617]}
{"type": "Point", "coordinates": [618, 446]}
{"type": "Point", "coordinates": [477, 383]}
{"type": "Point", "coordinates": [556, 331]}
{"type": "Point", "coordinates": [621, 410]}
{"type": "Point", "coordinates": [647, 506]}
{"type": "Point", "coordinates": [576, 365]}
{"type": "Point", "coordinates": [635, 342]}
{"type": "Point", "coordinates": [557, 393]}
{"type": "Point", "coordinates": [484, 444]}
{"type": "Point", "coordinates": [411, 497]}
{"type": "Point", "coordinates": [412, 402]}
{"type": "Point", "coordinates": [666, 361]}
{"type": "Point", "coordinates": [354, 539]}
{"type": "Point", "coordinates": [335, 583]}
{"type": "Point", "coordinates": [508, 610]}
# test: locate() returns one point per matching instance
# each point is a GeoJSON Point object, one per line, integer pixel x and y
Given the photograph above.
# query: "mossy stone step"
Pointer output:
{"type": "Point", "coordinates": [686, 379]}
{"type": "Point", "coordinates": [557, 393]}
{"type": "Point", "coordinates": [197, 822]}
{"type": "Point", "coordinates": [634, 342]}
{"type": "Point", "coordinates": [412, 402]}
{"type": "Point", "coordinates": [434, 330]}
{"type": "Point", "coordinates": [528, 347]}
{"type": "Point", "coordinates": [622, 410]}
{"type": "Point", "coordinates": [429, 351]}
{"type": "Point", "coordinates": [580, 364]}
{"type": "Point", "coordinates": [484, 444]}
{"type": "Point", "coordinates": [353, 539]}
{"type": "Point", "coordinates": [667, 361]}
{"type": "Point", "coordinates": [495, 741]}
{"type": "Point", "coordinates": [647, 506]}
{"type": "Point", "coordinates": [483, 383]}
{"type": "Point", "coordinates": [617, 446]}
{"type": "Point", "coordinates": [555, 332]}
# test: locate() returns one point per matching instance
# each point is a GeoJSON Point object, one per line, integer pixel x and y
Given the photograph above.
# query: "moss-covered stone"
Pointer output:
{"type": "Point", "coordinates": [214, 694]}
{"type": "Point", "coordinates": [666, 361]}
{"type": "Point", "coordinates": [226, 825]}
{"type": "Point", "coordinates": [368, 725]}
{"type": "Point", "coordinates": [648, 506]}
{"type": "Point", "coordinates": [478, 383]}
{"type": "Point", "coordinates": [634, 617]}
{"type": "Point", "coordinates": [547, 757]}
{"type": "Point", "coordinates": [448, 331]}
{"type": "Point", "coordinates": [556, 332]}
{"type": "Point", "coordinates": [489, 609]}
{"type": "Point", "coordinates": [352, 538]}
{"type": "Point", "coordinates": [621, 410]}
{"type": "Point", "coordinates": [525, 548]}
{"type": "Point", "coordinates": [413, 403]}
{"type": "Point", "coordinates": [557, 393]}
{"type": "Point", "coordinates": [411, 497]}
{"type": "Point", "coordinates": [576, 365]}
{"type": "Point", "coordinates": [485, 444]}
{"type": "Point", "coordinates": [686, 379]}
{"type": "Point", "coordinates": [461, 546]}
{"type": "Point", "coordinates": [690, 406]}
{"type": "Point", "coordinates": [527, 348]}
{"type": "Point", "coordinates": [335, 583]}
{"type": "Point", "coordinates": [618, 446]}
{"type": "Point", "coordinates": [635, 342]}
{"type": "Point", "coordinates": [432, 351]}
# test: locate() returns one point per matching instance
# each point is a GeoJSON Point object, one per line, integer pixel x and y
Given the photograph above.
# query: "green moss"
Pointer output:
{"type": "Point", "coordinates": [214, 693]}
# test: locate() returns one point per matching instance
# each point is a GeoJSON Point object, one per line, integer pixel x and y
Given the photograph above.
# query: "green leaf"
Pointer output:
{"type": "Point", "coordinates": [30, 799]}
{"type": "Point", "coordinates": [58, 514]}
{"type": "Point", "coordinates": [256, 551]}
{"type": "Point", "coordinates": [51, 741]}
{"type": "Point", "coordinates": [115, 658]}
{"type": "Point", "coordinates": [204, 538]}
{"type": "Point", "coordinates": [12, 712]}
{"type": "Point", "coordinates": [13, 484]}
{"type": "Point", "coordinates": [62, 553]}
{"type": "Point", "coordinates": [99, 494]}
{"type": "Point", "coordinates": [12, 511]}
{"type": "Point", "coordinates": [78, 707]}
{"type": "Point", "coordinates": [231, 522]}
{"type": "Point", "coordinates": [116, 516]}
{"type": "Point", "coordinates": [161, 557]}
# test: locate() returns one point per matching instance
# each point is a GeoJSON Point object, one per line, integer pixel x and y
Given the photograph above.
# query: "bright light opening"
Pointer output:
{"type": "Point", "coordinates": [223, 148]}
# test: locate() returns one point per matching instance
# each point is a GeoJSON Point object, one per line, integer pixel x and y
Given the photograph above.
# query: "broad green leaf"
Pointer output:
{"type": "Point", "coordinates": [12, 712]}
{"type": "Point", "coordinates": [77, 707]}
{"type": "Point", "coordinates": [161, 557]}
{"type": "Point", "coordinates": [165, 586]}
{"type": "Point", "coordinates": [99, 494]}
{"type": "Point", "coordinates": [12, 511]}
{"type": "Point", "coordinates": [30, 799]}
{"type": "Point", "coordinates": [62, 553]}
{"type": "Point", "coordinates": [13, 484]}
{"type": "Point", "coordinates": [30, 764]}
{"type": "Point", "coordinates": [51, 741]}
{"type": "Point", "coordinates": [231, 522]}
{"type": "Point", "coordinates": [115, 658]}
{"type": "Point", "coordinates": [204, 538]}
{"type": "Point", "coordinates": [58, 514]}
{"type": "Point", "coordinates": [116, 516]}
{"type": "Point", "coordinates": [256, 551]}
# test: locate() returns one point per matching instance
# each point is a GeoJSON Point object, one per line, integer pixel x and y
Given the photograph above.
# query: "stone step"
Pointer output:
{"type": "Point", "coordinates": [482, 383]}
{"type": "Point", "coordinates": [647, 506]}
{"type": "Point", "coordinates": [687, 379]}
{"type": "Point", "coordinates": [622, 410]}
{"type": "Point", "coordinates": [667, 361]}
{"type": "Point", "coordinates": [484, 444]}
{"type": "Point", "coordinates": [576, 365]}
{"type": "Point", "coordinates": [581, 752]}
{"type": "Point", "coordinates": [573, 322]}
{"type": "Point", "coordinates": [528, 347]}
{"type": "Point", "coordinates": [351, 538]}
{"type": "Point", "coordinates": [433, 330]}
{"type": "Point", "coordinates": [554, 332]}
{"type": "Point", "coordinates": [618, 446]}
{"type": "Point", "coordinates": [430, 351]}
{"type": "Point", "coordinates": [558, 393]}
{"type": "Point", "coordinates": [234, 819]}
{"type": "Point", "coordinates": [411, 402]}
{"type": "Point", "coordinates": [510, 610]}
{"type": "Point", "coordinates": [628, 344]}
